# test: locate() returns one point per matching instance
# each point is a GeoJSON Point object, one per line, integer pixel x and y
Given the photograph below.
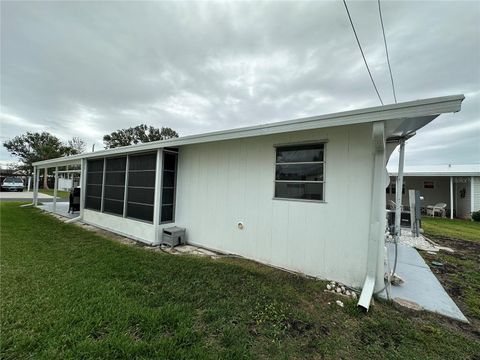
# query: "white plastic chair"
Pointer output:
{"type": "Point", "coordinates": [437, 208]}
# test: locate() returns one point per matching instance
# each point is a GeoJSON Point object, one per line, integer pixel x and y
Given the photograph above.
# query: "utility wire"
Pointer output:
{"type": "Point", "coordinates": [361, 50]}
{"type": "Point", "coordinates": [386, 52]}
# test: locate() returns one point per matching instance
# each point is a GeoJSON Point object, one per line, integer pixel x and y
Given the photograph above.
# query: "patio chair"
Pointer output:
{"type": "Point", "coordinates": [439, 208]}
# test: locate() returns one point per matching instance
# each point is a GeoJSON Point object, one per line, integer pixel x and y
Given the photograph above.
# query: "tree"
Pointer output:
{"type": "Point", "coordinates": [138, 134]}
{"type": "Point", "coordinates": [76, 145]}
{"type": "Point", "coordinates": [32, 147]}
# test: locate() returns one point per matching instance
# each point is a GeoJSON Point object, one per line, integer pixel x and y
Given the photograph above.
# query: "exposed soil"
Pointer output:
{"type": "Point", "coordinates": [451, 274]}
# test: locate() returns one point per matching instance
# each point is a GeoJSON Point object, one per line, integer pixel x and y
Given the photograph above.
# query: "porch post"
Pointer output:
{"type": "Point", "coordinates": [83, 185]}
{"type": "Point", "coordinates": [158, 195]}
{"type": "Point", "coordinates": [37, 185]}
{"type": "Point", "coordinates": [399, 188]}
{"type": "Point", "coordinates": [451, 197]}
{"type": "Point", "coordinates": [472, 198]}
{"type": "Point", "coordinates": [55, 190]}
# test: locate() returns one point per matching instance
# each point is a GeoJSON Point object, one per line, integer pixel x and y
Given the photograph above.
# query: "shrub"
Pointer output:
{"type": "Point", "coordinates": [476, 215]}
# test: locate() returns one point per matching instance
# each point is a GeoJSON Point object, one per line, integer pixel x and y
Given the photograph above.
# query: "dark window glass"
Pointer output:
{"type": "Point", "coordinates": [94, 184]}
{"type": "Point", "coordinates": [114, 192]}
{"type": "Point", "coordinates": [95, 178]}
{"type": "Point", "coordinates": [141, 178]}
{"type": "Point", "coordinates": [168, 187]}
{"type": "Point", "coordinates": [300, 153]}
{"type": "Point", "coordinates": [141, 186]}
{"type": "Point", "coordinates": [167, 196]}
{"type": "Point", "coordinates": [168, 178]}
{"type": "Point", "coordinates": [308, 191]}
{"type": "Point", "coordinates": [93, 203]}
{"type": "Point", "coordinates": [141, 195]}
{"type": "Point", "coordinates": [113, 206]}
{"type": "Point", "coordinates": [94, 190]}
{"type": "Point", "coordinates": [167, 213]}
{"type": "Point", "coordinates": [169, 161]}
{"type": "Point", "coordinates": [115, 178]}
{"type": "Point", "coordinates": [95, 165]}
{"type": "Point", "coordinates": [305, 172]}
{"type": "Point", "coordinates": [143, 162]}
{"type": "Point", "coordinates": [116, 164]}
{"type": "Point", "coordinates": [299, 172]}
{"type": "Point", "coordinates": [142, 212]}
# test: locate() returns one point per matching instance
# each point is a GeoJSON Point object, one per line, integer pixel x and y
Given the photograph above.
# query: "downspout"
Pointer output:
{"type": "Point", "coordinates": [374, 274]}
{"type": "Point", "coordinates": [399, 189]}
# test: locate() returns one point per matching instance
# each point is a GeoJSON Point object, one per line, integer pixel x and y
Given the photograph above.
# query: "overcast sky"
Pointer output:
{"type": "Point", "coordinates": [88, 68]}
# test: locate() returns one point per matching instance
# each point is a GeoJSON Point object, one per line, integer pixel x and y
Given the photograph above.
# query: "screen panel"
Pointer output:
{"type": "Point", "coordinates": [141, 186]}
{"type": "Point", "coordinates": [114, 190]}
{"type": "Point", "coordinates": [169, 173]}
{"type": "Point", "coordinates": [94, 183]}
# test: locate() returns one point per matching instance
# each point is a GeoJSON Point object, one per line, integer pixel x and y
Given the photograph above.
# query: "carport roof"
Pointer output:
{"type": "Point", "coordinates": [440, 170]}
{"type": "Point", "coordinates": [401, 119]}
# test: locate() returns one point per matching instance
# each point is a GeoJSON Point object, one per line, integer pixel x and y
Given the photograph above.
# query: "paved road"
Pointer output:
{"type": "Point", "coordinates": [24, 196]}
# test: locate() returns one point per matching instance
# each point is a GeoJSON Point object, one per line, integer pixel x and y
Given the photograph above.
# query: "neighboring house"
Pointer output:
{"type": "Point", "coordinates": [306, 195]}
{"type": "Point", "coordinates": [458, 186]}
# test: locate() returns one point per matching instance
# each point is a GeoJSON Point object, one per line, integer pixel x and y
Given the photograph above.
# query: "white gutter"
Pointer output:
{"type": "Point", "coordinates": [374, 274]}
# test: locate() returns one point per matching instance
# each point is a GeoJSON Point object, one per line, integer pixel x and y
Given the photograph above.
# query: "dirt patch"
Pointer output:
{"type": "Point", "coordinates": [458, 272]}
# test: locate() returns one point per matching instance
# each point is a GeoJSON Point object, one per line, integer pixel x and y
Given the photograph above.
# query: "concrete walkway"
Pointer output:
{"type": "Point", "coordinates": [61, 209]}
{"type": "Point", "coordinates": [22, 196]}
{"type": "Point", "coordinates": [421, 289]}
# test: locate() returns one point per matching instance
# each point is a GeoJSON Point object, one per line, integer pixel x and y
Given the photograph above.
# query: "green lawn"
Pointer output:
{"type": "Point", "coordinates": [60, 194]}
{"type": "Point", "coordinates": [454, 229]}
{"type": "Point", "coordinates": [68, 293]}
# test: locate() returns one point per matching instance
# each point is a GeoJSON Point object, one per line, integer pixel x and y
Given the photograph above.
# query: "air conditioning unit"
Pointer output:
{"type": "Point", "coordinates": [173, 236]}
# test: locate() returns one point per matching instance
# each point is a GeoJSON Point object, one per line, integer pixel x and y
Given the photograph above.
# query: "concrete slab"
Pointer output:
{"type": "Point", "coordinates": [22, 196]}
{"type": "Point", "coordinates": [421, 287]}
{"type": "Point", "coordinates": [61, 209]}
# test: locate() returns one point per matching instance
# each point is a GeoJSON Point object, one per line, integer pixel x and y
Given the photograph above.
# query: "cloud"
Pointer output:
{"type": "Point", "coordinates": [89, 68]}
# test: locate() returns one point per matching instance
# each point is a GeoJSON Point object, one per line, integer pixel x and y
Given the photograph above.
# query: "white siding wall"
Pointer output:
{"type": "Point", "coordinates": [222, 183]}
{"type": "Point", "coordinates": [138, 230]}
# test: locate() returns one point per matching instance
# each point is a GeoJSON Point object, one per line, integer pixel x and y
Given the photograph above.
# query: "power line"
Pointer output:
{"type": "Point", "coordinates": [361, 50]}
{"type": "Point", "coordinates": [386, 51]}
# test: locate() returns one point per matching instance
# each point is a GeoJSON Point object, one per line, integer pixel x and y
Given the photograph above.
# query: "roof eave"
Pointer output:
{"type": "Point", "coordinates": [406, 110]}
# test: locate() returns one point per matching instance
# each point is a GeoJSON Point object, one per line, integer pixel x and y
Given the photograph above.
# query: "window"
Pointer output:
{"type": "Point", "coordinates": [141, 186]}
{"type": "Point", "coordinates": [93, 198]}
{"type": "Point", "coordinates": [428, 185]}
{"type": "Point", "coordinates": [114, 190]}
{"type": "Point", "coordinates": [168, 187]}
{"type": "Point", "coordinates": [299, 172]}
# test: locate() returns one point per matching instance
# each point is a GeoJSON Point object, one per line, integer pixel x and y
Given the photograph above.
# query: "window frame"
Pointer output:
{"type": "Point", "coordinates": [323, 162]}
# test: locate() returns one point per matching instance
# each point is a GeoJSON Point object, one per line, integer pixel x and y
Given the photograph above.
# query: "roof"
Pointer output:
{"type": "Point", "coordinates": [440, 170]}
{"type": "Point", "coordinates": [402, 119]}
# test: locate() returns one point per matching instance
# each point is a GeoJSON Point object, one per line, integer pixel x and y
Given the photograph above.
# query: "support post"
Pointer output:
{"type": "Point", "coordinates": [158, 195]}
{"type": "Point", "coordinates": [451, 197]}
{"type": "Point", "coordinates": [472, 197]}
{"type": "Point", "coordinates": [83, 185]}
{"type": "Point", "coordinates": [399, 188]}
{"type": "Point", "coordinates": [55, 190]}
{"type": "Point", "coordinates": [35, 185]}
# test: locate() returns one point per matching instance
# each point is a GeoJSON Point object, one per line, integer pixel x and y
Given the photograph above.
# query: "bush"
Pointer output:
{"type": "Point", "coordinates": [476, 215]}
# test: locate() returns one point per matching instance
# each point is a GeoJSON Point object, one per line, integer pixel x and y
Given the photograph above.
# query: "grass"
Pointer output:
{"type": "Point", "coordinates": [60, 194]}
{"type": "Point", "coordinates": [69, 293]}
{"type": "Point", "coordinates": [454, 229]}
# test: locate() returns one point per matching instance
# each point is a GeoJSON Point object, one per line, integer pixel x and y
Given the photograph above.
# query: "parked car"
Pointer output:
{"type": "Point", "coordinates": [12, 184]}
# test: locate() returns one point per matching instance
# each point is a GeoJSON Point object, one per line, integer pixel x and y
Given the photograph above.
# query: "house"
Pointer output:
{"type": "Point", "coordinates": [456, 185]}
{"type": "Point", "coordinates": [306, 195]}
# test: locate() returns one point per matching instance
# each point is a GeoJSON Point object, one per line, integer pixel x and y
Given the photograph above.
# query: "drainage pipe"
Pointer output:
{"type": "Point", "coordinates": [374, 274]}
{"type": "Point", "coordinates": [399, 190]}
